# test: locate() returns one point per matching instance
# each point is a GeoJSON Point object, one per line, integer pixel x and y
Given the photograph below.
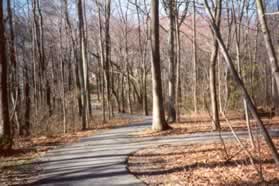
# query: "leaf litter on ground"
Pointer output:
{"type": "Point", "coordinates": [203, 164]}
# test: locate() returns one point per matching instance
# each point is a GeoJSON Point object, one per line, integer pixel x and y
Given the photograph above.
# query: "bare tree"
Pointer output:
{"type": "Point", "coordinates": [240, 84]}
{"type": "Point", "coordinates": [172, 63]}
{"type": "Point", "coordinates": [62, 88]}
{"type": "Point", "coordinates": [101, 58]}
{"type": "Point", "coordinates": [15, 91]}
{"type": "Point", "coordinates": [194, 53]}
{"type": "Point", "coordinates": [212, 71]}
{"type": "Point", "coordinates": [83, 66]}
{"type": "Point", "coordinates": [6, 139]}
{"type": "Point", "coordinates": [108, 54]}
{"type": "Point", "coordinates": [159, 122]}
{"type": "Point", "coordinates": [268, 42]}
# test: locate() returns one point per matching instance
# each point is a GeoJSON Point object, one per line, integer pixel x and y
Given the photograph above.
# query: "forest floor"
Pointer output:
{"type": "Point", "coordinates": [16, 165]}
{"type": "Point", "coordinates": [201, 123]}
{"type": "Point", "coordinates": [204, 164]}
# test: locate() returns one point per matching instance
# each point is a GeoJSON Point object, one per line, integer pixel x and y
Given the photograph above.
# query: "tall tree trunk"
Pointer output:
{"type": "Point", "coordinates": [83, 66]}
{"type": "Point", "coordinates": [194, 58]}
{"type": "Point", "coordinates": [130, 108]}
{"type": "Point", "coordinates": [26, 122]}
{"type": "Point", "coordinates": [6, 139]}
{"type": "Point", "coordinates": [98, 82]}
{"type": "Point", "coordinates": [123, 94]}
{"type": "Point", "coordinates": [61, 80]}
{"type": "Point", "coordinates": [268, 42]}
{"type": "Point", "coordinates": [41, 49]}
{"type": "Point", "coordinates": [171, 75]}
{"type": "Point", "coordinates": [27, 116]}
{"type": "Point", "coordinates": [34, 56]}
{"type": "Point", "coordinates": [87, 58]}
{"type": "Point", "coordinates": [178, 101]}
{"type": "Point", "coordinates": [212, 71]}
{"type": "Point", "coordinates": [102, 60]}
{"type": "Point", "coordinates": [15, 90]}
{"type": "Point", "coordinates": [213, 89]}
{"type": "Point", "coordinates": [220, 84]}
{"type": "Point", "coordinates": [145, 100]}
{"type": "Point", "coordinates": [159, 122]}
{"type": "Point", "coordinates": [107, 55]}
{"type": "Point", "coordinates": [129, 89]}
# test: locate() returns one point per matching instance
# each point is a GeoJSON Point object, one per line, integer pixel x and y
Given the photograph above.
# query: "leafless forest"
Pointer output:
{"type": "Point", "coordinates": [66, 64]}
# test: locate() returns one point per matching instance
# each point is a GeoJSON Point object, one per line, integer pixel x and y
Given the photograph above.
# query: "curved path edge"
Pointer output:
{"type": "Point", "coordinates": [102, 159]}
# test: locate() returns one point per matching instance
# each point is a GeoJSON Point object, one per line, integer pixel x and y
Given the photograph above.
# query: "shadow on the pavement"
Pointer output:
{"type": "Point", "coordinates": [69, 177]}
{"type": "Point", "coordinates": [69, 160]}
{"type": "Point", "coordinates": [53, 172]}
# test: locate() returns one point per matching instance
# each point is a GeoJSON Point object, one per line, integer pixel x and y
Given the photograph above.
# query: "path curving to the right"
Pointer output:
{"type": "Point", "coordinates": [102, 159]}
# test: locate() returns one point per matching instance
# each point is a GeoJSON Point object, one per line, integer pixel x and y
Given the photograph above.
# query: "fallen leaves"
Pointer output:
{"type": "Point", "coordinates": [202, 123]}
{"type": "Point", "coordinates": [202, 165]}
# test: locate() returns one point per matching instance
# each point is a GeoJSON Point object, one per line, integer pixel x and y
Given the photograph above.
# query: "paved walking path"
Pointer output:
{"type": "Point", "coordinates": [102, 159]}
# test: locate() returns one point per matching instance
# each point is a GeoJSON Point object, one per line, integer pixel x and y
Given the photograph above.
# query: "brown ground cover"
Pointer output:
{"type": "Point", "coordinates": [201, 122]}
{"type": "Point", "coordinates": [16, 167]}
{"type": "Point", "coordinates": [203, 165]}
